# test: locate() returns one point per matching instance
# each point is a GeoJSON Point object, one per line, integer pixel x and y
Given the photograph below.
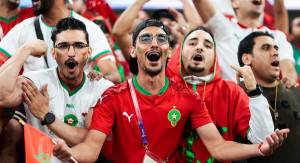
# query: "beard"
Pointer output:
{"type": "Point", "coordinates": [46, 5]}
{"type": "Point", "coordinates": [12, 5]}
{"type": "Point", "coordinates": [153, 72]}
{"type": "Point", "coordinates": [196, 69]}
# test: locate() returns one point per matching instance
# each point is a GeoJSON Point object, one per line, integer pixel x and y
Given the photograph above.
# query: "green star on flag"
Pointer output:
{"type": "Point", "coordinates": [42, 157]}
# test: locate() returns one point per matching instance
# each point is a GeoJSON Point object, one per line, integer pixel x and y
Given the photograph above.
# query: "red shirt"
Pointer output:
{"type": "Point", "coordinates": [8, 24]}
{"type": "Point", "coordinates": [117, 111]}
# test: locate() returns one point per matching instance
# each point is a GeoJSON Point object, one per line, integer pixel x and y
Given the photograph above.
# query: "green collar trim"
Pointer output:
{"type": "Point", "coordinates": [8, 20]}
{"type": "Point", "coordinates": [215, 64]}
{"type": "Point", "coordinates": [145, 92]}
{"type": "Point", "coordinates": [52, 26]}
{"type": "Point", "coordinates": [64, 85]}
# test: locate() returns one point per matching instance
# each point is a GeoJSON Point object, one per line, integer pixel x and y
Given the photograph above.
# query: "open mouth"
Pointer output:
{"type": "Point", "coordinates": [197, 58]}
{"type": "Point", "coordinates": [153, 56]}
{"type": "Point", "coordinates": [71, 64]}
{"type": "Point", "coordinates": [275, 63]}
{"type": "Point", "coordinates": [257, 2]}
{"type": "Point", "coordinates": [35, 0]}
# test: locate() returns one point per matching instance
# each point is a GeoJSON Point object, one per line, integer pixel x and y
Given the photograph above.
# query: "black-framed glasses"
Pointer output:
{"type": "Point", "coordinates": [65, 47]}
{"type": "Point", "coordinates": [146, 38]}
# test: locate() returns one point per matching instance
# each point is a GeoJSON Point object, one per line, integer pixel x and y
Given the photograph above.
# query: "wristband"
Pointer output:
{"type": "Point", "coordinates": [261, 153]}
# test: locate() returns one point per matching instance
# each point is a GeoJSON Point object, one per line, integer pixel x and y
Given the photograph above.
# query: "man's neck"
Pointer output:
{"type": "Point", "coordinates": [6, 12]}
{"type": "Point", "coordinates": [56, 13]}
{"type": "Point", "coordinates": [72, 84]}
{"type": "Point", "coordinates": [248, 21]}
{"type": "Point", "coordinates": [153, 84]}
{"type": "Point", "coordinates": [269, 84]}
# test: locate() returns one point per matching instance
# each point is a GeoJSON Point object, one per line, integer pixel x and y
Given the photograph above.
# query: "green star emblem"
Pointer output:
{"type": "Point", "coordinates": [42, 157]}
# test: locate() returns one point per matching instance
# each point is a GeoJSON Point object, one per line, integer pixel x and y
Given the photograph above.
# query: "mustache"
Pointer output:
{"type": "Point", "coordinates": [71, 60]}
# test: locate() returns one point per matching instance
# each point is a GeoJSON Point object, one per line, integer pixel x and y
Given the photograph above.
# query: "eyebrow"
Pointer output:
{"type": "Point", "coordinates": [76, 42]}
{"type": "Point", "coordinates": [269, 45]}
{"type": "Point", "coordinates": [195, 38]}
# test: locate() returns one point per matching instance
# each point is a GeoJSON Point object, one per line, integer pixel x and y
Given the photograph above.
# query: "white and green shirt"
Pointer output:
{"type": "Point", "coordinates": [69, 106]}
{"type": "Point", "coordinates": [25, 32]}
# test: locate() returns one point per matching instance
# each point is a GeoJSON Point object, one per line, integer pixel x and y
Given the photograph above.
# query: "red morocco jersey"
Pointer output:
{"type": "Point", "coordinates": [8, 24]}
{"type": "Point", "coordinates": [116, 110]}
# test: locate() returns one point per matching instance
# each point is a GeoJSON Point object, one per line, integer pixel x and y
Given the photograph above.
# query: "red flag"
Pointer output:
{"type": "Point", "coordinates": [38, 146]}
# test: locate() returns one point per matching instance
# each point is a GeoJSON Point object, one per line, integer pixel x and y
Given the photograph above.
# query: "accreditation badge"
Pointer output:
{"type": "Point", "coordinates": [152, 158]}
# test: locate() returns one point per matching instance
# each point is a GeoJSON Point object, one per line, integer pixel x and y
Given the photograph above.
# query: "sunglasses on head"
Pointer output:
{"type": "Point", "coordinates": [146, 38]}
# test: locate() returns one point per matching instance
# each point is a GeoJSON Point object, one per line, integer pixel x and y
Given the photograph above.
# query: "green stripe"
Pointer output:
{"type": "Point", "coordinates": [9, 19]}
{"type": "Point", "coordinates": [98, 55]}
{"type": "Point", "coordinates": [67, 88]}
{"type": "Point", "coordinates": [139, 88]}
{"type": "Point", "coordinates": [248, 132]}
{"type": "Point", "coordinates": [210, 160]}
{"type": "Point", "coordinates": [121, 72]}
{"type": "Point", "coordinates": [5, 52]}
{"type": "Point", "coordinates": [145, 92]}
{"type": "Point", "coordinates": [222, 130]}
{"type": "Point", "coordinates": [46, 23]}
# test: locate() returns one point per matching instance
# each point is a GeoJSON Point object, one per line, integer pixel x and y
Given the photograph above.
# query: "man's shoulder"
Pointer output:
{"type": "Point", "coordinates": [182, 90]}
{"type": "Point", "coordinates": [115, 91]}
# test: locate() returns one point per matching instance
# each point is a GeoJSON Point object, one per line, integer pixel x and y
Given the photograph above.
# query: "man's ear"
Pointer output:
{"type": "Point", "coordinates": [53, 53]}
{"type": "Point", "coordinates": [132, 52]}
{"type": "Point", "coordinates": [247, 59]}
{"type": "Point", "coordinates": [235, 4]}
{"type": "Point", "coordinates": [170, 54]}
{"type": "Point", "coordinates": [90, 51]}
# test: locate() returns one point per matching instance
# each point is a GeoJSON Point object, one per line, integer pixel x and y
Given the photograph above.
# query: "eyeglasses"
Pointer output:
{"type": "Point", "coordinates": [160, 38]}
{"type": "Point", "coordinates": [77, 46]}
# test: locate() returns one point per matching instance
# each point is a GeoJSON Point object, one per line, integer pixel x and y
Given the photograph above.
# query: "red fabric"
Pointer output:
{"type": "Point", "coordinates": [227, 104]}
{"type": "Point", "coordinates": [23, 14]}
{"type": "Point", "coordinates": [102, 8]}
{"type": "Point", "coordinates": [163, 138]}
{"type": "Point", "coordinates": [37, 144]}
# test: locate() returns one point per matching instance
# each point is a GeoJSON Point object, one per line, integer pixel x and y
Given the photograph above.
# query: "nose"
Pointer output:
{"type": "Point", "coordinates": [275, 52]}
{"type": "Point", "coordinates": [199, 47]}
{"type": "Point", "coordinates": [71, 51]}
{"type": "Point", "coordinates": [154, 42]}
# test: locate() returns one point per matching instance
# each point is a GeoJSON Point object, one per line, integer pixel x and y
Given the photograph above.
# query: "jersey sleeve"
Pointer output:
{"type": "Point", "coordinates": [34, 77]}
{"type": "Point", "coordinates": [199, 115]}
{"type": "Point", "coordinates": [99, 44]}
{"type": "Point", "coordinates": [13, 41]}
{"type": "Point", "coordinates": [104, 114]}
{"type": "Point", "coordinates": [102, 85]}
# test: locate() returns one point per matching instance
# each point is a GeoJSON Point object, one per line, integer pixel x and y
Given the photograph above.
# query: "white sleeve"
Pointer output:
{"type": "Point", "coordinates": [285, 48]}
{"type": "Point", "coordinates": [261, 123]}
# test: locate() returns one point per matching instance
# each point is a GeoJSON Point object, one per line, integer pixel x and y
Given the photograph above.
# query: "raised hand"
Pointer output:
{"type": "Point", "coordinates": [37, 48]}
{"type": "Point", "coordinates": [246, 73]}
{"type": "Point", "coordinates": [38, 103]}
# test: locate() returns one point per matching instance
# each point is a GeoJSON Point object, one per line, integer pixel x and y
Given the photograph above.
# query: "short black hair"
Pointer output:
{"type": "Point", "coordinates": [69, 23]}
{"type": "Point", "coordinates": [247, 44]}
